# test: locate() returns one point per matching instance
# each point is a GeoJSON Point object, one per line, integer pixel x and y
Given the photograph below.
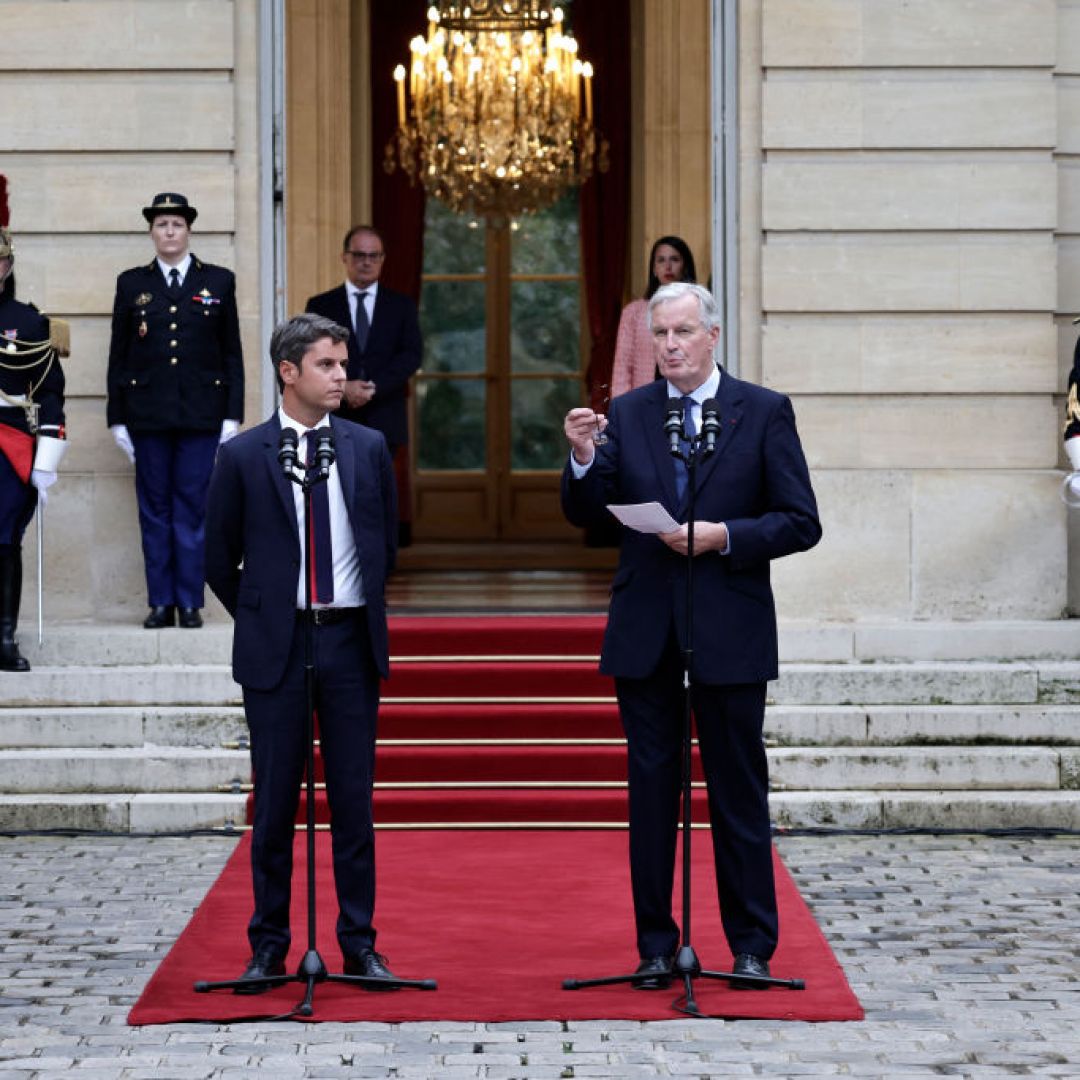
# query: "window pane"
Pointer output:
{"type": "Point", "coordinates": [548, 242]}
{"type": "Point", "coordinates": [451, 413]}
{"type": "Point", "coordinates": [537, 409]}
{"type": "Point", "coordinates": [452, 322]}
{"type": "Point", "coordinates": [545, 326]}
{"type": "Point", "coordinates": [453, 243]}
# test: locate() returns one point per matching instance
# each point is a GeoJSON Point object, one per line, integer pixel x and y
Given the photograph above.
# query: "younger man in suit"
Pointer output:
{"type": "Point", "coordinates": [255, 565]}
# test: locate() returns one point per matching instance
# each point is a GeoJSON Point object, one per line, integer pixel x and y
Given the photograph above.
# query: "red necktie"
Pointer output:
{"type": "Point", "coordinates": [322, 554]}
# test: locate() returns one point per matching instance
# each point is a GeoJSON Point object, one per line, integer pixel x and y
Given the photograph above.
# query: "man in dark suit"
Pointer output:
{"type": "Point", "coordinates": [175, 391]}
{"type": "Point", "coordinates": [255, 561]}
{"type": "Point", "coordinates": [754, 504]}
{"type": "Point", "coordinates": [385, 348]}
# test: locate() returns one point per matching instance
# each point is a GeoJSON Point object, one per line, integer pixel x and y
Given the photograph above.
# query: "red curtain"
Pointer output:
{"type": "Point", "coordinates": [603, 33]}
{"type": "Point", "coordinates": [397, 207]}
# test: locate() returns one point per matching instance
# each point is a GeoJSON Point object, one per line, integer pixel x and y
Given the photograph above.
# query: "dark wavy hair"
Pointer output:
{"type": "Point", "coordinates": [680, 245]}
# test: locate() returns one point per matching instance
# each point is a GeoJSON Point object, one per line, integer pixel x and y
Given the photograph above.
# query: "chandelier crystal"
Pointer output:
{"type": "Point", "coordinates": [497, 119]}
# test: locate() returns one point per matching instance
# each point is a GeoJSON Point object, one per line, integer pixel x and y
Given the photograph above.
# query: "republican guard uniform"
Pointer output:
{"type": "Point", "coordinates": [32, 438]}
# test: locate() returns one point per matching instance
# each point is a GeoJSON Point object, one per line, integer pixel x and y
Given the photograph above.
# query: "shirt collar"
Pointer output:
{"type": "Point", "coordinates": [372, 290]}
{"type": "Point", "coordinates": [705, 391]}
{"type": "Point", "coordinates": [184, 265]}
{"type": "Point", "coordinates": [287, 421]}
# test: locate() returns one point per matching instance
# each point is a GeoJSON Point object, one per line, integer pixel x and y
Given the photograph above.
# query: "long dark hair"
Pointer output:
{"type": "Point", "coordinates": [680, 245]}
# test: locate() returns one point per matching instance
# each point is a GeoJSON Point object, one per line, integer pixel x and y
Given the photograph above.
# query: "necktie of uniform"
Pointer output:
{"type": "Point", "coordinates": [174, 280]}
{"type": "Point", "coordinates": [689, 431]}
{"type": "Point", "coordinates": [318, 538]}
{"type": "Point", "coordinates": [361, 326]}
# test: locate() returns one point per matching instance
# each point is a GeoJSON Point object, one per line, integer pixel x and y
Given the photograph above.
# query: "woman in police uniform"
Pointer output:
{"type": "Point", "coordinates": [175, 391]}
{"type": "Point", "coordinates": [31, 438]}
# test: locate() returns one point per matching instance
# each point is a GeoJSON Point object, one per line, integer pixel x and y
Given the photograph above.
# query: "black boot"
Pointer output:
{"type": "Point", "coordinates": [10, 595]}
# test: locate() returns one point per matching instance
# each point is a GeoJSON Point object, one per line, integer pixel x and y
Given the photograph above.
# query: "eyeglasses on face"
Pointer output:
{"type": "Point", "coordinates": [365, 256]}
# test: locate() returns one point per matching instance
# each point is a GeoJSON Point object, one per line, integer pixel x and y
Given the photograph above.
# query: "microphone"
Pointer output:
{"type": "Point", "coordinates": [673, 425]}
{"type": "Point", "coordinates": [710, 423]}
{"type": "Point", "coordinates": [324, 452]}
{"type": "Point", "coordinates": [287, 451]}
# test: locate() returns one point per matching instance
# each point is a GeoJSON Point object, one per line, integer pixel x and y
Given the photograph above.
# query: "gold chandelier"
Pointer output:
{"type": "Point", "coordinates": [498, 119]}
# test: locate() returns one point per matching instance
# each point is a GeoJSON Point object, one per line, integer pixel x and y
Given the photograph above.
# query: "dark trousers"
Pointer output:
{"type": "Point", "coordinates": [347, 702]}
{"type": "Point", "coordinates": [17, 504]}
{"type": "Point", "coordinates": [729, 722]}
{"type": "Point", "coordinates": [172, 474]}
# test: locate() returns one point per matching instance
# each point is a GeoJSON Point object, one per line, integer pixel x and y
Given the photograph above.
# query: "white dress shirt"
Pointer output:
{"type": "Point", "coordinates": [369, 300]}
{"type": "Point", "coordinates": [182, 266]}
{"type": "Point", "coordinates": [348, 578]}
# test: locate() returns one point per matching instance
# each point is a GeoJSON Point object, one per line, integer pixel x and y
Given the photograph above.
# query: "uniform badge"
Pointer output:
{"type": "Point", "coordinates": [206, 298]}
{"type": "Point", "coordinates": [143, 298]}
{"type": "Point", "coordinates": [11, 335]}
{"type": "Point", "coordinates": [142, 328]}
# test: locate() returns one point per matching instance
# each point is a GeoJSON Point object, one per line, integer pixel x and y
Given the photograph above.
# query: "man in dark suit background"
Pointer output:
{"type": "Point", "coordinates": [175, 391]}
{"type": "Point", "coordinates": [385, 347]}
{"type": "Point", "coordinates": [255, 565]}
{"type": "Point", "coordinates": [754, 504]}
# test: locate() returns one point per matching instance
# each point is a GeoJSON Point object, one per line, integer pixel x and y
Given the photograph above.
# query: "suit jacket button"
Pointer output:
{"type": "Point", "coordinates": [172, 309]}
{"type": "Point", "coordinates": [172, 326]}
{"type": "Point", "coordinates": [173, 360]}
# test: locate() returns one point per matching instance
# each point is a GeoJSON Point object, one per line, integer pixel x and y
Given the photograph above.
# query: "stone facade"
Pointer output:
{"type": "Point", "coordinates": [918, 217]}
{"type": "Point", "coordinates": [910, 261]}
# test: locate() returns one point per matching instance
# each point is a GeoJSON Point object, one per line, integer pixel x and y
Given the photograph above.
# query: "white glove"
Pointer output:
{"type": "Point", "coordinates": [42, 479]}
{"type": "Point", "coordinates": [1072, 451]}
{"type": "Point", "coordinates": [229, 429]}
{"type": "Point", "coordinates": [123, 440]}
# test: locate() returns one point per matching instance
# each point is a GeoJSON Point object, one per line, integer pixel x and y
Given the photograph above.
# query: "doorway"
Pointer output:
{"type": "Point", "coordinates": [501, 315]}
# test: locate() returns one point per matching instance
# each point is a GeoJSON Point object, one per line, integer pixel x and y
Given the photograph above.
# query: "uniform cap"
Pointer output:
{"type": "Point", "coordinates": [169, 202]}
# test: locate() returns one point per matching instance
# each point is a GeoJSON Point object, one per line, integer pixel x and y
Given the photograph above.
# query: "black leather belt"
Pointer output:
{"type": "Point", "coordinates": [327, 616]}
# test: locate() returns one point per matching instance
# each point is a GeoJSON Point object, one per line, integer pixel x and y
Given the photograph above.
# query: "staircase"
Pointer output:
{"type": "Point", "coordinates": [501, 722]}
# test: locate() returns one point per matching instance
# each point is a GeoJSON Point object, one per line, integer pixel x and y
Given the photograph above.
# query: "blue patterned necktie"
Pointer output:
{"type": "Point", "coordinates": [689, 431]}
{"type": "Point", "coordinates": [318, 538]}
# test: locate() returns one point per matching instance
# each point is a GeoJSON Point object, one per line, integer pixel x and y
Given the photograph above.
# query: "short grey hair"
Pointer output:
{"type": "Point", "coordinates": [293, 337]}
{"type": "Point", "coordinates": [676, 290]}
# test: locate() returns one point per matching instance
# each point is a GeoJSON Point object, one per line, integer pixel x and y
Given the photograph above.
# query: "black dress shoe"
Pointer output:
{"type": "Point", "coordinates": [749, 964]}
{"type": "Point", "coordinates": [160, 617]}
{"type": "Point", "coordinates": [267, 963]}
{"type": "Point", "coordinates": [371, 965]}
{"type": "Point", "coordinates": [658, 970]}
{"type": "Point", "coordinates": [190, 618]}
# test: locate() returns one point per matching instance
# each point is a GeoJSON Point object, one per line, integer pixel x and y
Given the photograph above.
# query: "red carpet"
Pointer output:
{"type": "Point", "coordinates": [499, 919]}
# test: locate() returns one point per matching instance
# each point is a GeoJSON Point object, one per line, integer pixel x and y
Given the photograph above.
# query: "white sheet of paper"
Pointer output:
{"type": "Point", "coordinates": [648, 517]}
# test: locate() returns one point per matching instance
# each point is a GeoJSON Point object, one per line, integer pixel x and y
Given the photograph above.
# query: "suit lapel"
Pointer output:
{"type": "Point", "coordinates": [729, 397]}
{"type": "Point", "coordinates": [345, 457]}
{"type": "Point", "coordinates": [283, 487]}
{"type": "Point", "coordinates": [652, 419]}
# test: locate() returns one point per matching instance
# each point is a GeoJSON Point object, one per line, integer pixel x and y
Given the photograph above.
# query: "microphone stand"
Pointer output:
{"type": "Point", "coordinates": [687, 966]}
{"type": "Point", "coordinates": [312, 969]}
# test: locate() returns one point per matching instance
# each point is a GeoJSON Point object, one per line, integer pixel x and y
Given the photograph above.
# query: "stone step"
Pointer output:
{"type": "Point", "coordinates": [829, 810]}
{"type": "Point", "coordinates": [113, 644]}
{"type": "Point", "coordinates": [122, 725]}
{"type": "Point", "coordinates": [785, 725]}
{"type": "Point", "coordinates": [921, 683]}
{"type": "Point", "coordinates": [126, 771]}
{"type": "Point", "coordinates": [160, 769]}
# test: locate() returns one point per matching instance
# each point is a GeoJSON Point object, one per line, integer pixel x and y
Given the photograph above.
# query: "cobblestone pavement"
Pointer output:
{"type": "Point", "coordinates": [963, 950]}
